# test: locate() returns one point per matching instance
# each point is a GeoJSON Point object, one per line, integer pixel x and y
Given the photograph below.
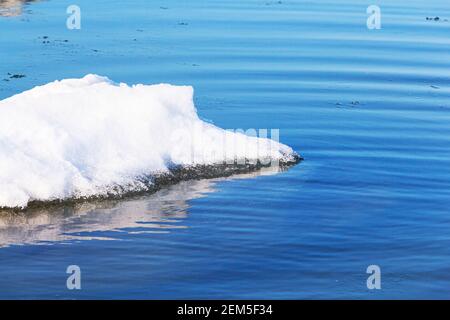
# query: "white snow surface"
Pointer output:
{"type": "Point", "coordinates": [83, 137]}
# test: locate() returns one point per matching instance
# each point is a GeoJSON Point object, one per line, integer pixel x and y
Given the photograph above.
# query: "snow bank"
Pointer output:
{"type": "Point", "coordinates": [86, 137]}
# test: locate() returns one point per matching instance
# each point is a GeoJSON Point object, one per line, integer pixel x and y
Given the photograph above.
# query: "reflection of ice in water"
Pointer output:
{"type": "Point", "coordinates": [11, 8]}
{"type": "Point", "coordinates": [156, 213]}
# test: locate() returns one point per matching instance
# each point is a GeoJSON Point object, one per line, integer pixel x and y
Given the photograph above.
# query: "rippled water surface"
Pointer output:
{"type": "Point", "coordinates": [368, 109]}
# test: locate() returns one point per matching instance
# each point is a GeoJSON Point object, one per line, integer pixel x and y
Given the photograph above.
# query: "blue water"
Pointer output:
{"type": "Point", "coordinates": [369, 110]}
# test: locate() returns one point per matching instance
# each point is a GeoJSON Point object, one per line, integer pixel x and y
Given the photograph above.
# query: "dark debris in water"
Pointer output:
{"type": "Point", "coordinates": [436, 19]}
{"type": "Point", "coordinates": [15, 76]}
{"type": "Point", "coordinates": [46, 40]}
{"type": "Point", "coordinates": [352, 104]}
{"type": "Point", "coordinates": [273, 2]}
